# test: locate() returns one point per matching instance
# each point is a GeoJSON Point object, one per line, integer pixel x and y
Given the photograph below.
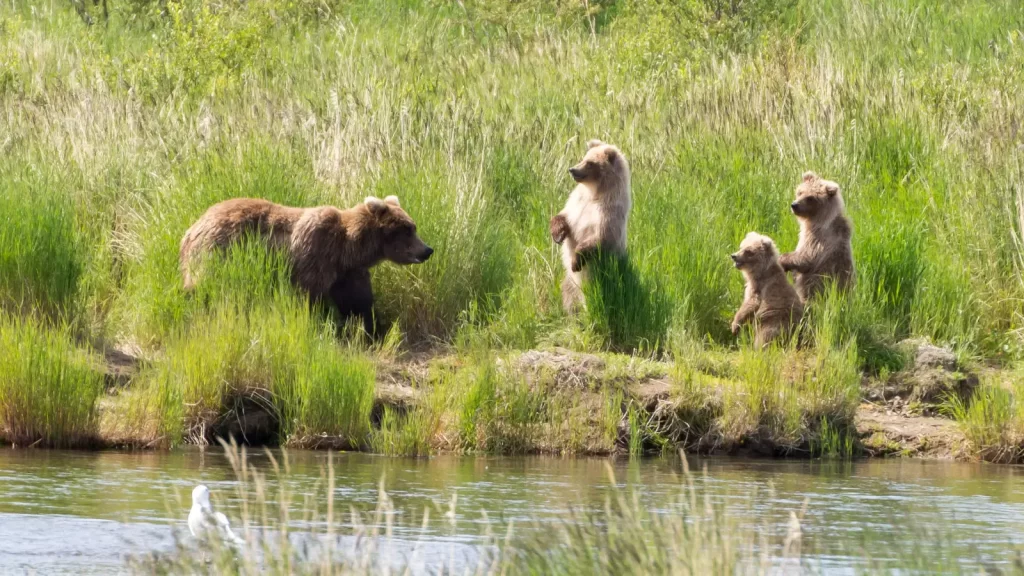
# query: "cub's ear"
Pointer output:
{"type": "Point", "coordinates": [393, 200]}
{"type": "Point", "coordinates": [809, 176]}
{"type": "Point", "coordinates": [612, 156]}
{"type": "Point", "coordinates": [375, 205]}
{"type": "Point", "coordinates": [593, 143]}
{"type": "Point", "coordinates": [831, 188]}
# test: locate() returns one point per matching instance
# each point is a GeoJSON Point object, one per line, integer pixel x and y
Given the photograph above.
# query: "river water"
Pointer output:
{"type": "Point", "coordinates": [85, 512]}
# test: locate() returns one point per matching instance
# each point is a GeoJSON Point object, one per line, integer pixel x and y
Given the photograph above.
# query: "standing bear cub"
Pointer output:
{"type": "Point", "coordinates": [330, 251]}
{"type": "Point", "coordinates": [594, 217]}
{"type": "Point", "coordinates": [768, 298]}
{"type": "Point", "coordinates": [823, 250]}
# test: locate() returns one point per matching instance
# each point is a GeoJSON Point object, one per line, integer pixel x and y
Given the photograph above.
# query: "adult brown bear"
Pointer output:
{"type": "Point", "coordinates": [331, 251]}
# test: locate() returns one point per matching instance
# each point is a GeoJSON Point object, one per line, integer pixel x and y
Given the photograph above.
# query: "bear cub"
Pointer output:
{"type": "Point", "coordinates": [824, 250]}
{"type": "Point", "coordinates": [768, 298]}
{"type": "Point", "coordinates": [330, 251]}
{"type": "Point", "coordinates": [594, 218]}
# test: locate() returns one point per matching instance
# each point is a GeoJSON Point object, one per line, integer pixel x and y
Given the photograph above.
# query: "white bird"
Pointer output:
{"type": "Point", "coordinates": [203, 521]}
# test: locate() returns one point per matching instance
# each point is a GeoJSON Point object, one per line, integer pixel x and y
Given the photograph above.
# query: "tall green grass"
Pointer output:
{"type": "Point", "coordinates": [41, 251]}
{"type": "Point", "coordinates": [48, 389]}
{"type": "Point", "coordinates": [474, 123]}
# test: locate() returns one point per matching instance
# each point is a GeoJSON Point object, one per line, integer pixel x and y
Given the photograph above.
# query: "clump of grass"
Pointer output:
{"type": "Point", "coordinates": [499, 412]}
{"type": "Point", "coordinates": [48, 389]}
{"type": "Point", "coordinates": [991, 422]}
{"type": "Point", "coordinates": [780, 398]}
{"type": "Point", "coordinates": [279, 358]}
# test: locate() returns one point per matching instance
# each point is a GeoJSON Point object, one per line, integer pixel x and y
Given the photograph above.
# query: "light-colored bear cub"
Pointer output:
{"type": "Point", "coordinates": [595, 216]}
{"type": "Point", "coordinates": [824, 251]}
{"type": "Point", "coordinates": [769, 299]}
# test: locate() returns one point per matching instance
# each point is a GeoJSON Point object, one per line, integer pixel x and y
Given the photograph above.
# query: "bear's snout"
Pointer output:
{"type": "Point", "coordinates": [425, 255]}
{"type": "Point", "coordinates": [576, 174]}
{"type": "Point", "coordinates": [735, 259]}
{"type": "Point", "coordinates": [795, 207]}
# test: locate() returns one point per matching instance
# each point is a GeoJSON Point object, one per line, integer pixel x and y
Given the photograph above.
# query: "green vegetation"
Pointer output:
{"type": "Point", "coordinates": [252, 344]}
{"type": "Point", "coordinates": [992, 421]}
{"type": "Point", "coordinates": [117, 135]}
{"type": "Point", "coordinates": [48, 390]}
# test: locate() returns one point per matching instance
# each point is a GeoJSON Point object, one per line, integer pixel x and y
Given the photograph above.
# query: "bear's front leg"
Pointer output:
{"type": "Point", "coordinates": [793, 262]}
{"type": "Point", "coordinates": [745, 313]}
{"type": "Point", "coordinates": [352, 294]}
{"type": "Point", "coordinates": [559, 228]}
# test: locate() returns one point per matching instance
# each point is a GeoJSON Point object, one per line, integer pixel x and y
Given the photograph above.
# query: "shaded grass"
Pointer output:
{"type": "Point", "coordinates": [628, 312]}
{"type": "Point", "coordinates": [48, 388]}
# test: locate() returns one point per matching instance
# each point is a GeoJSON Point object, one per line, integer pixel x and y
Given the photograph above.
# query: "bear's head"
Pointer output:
{"type": "Point", "coordinates": [756, 252]}
{"type": "Point", "coordinates": [817, 198]}
{"type": "Point", "coordinates": [396, 232]}
{"type": "Point", "coordinates": [602, 166]}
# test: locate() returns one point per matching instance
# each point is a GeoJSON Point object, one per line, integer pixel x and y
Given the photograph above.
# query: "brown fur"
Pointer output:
{"type": "Point", "coordinates": [595, 215]}
{"type": "Point", "coordinates": [330, 250]}
{"type": "Point", "coordinates": [824, 250]}
{"type": "Point", "coordinates": [768, 299]}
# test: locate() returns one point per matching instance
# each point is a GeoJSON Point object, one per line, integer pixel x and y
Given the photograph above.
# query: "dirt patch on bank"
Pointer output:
{"type": "Point", "coordinates": [884, 432]}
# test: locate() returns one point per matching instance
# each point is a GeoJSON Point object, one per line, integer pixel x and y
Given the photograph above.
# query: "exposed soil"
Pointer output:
{"type": "Point", "coordinates": [884, 432]}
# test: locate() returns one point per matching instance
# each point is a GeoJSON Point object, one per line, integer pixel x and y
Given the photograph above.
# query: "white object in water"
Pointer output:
{"type": "Point", "coordinates": [204, 522]}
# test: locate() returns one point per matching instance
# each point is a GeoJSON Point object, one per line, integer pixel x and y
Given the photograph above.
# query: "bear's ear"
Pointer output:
{"type": "Point", "coordinates": [809, 176]}
{"type": "Point", "coordinates": [594, 143]}
{"type": "Point", "coordinates": [832, 188]}
{"type": "Point", "coordinates": [393, 200]}
{"type": "Point", "coordinates": [612, 156]}
{"type": "Point", "coordinates": [375, 205]}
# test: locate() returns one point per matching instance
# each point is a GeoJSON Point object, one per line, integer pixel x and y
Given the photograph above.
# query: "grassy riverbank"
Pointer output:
{"type": "Point", "coordinates": [118, 134]}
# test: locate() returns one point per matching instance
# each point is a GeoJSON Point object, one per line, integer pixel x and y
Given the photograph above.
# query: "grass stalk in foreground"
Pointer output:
{"type": "Point", "coordinates": [691, 533]}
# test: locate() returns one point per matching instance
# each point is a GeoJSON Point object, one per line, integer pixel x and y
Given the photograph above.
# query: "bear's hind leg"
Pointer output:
{"type": "Point", "coordinates": [572, 295]}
